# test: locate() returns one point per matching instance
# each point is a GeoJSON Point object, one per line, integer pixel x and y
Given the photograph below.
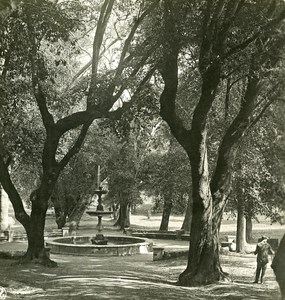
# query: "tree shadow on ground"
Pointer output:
{"type": "Point", "coordinates": [131, 277]}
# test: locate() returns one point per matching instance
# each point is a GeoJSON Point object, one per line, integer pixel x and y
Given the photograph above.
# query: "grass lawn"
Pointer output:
{"type": "Point", "coordinates": [228, 227]}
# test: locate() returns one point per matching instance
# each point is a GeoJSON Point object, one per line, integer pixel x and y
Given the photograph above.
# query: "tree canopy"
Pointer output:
{"type": "Point", "coordinates": [41, 68]}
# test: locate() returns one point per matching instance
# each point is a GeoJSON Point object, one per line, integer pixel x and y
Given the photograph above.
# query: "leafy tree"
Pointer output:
{"type": "Point", "coordinates": [174, 188]}
{"type": "Point", "coordinates": [77, 183]}
{"type": "Point", "coordinates": [122, 182]}
{"type": "Point", "coordinates": [36, 59]}
{"type": "Point", "coordinates": [225, 47]}
{"type": "Point", "coordinates": [165, 177]}
{"type": "Point", "coordinates": [256, 189]}
{"type": "Point", "coordinates": [136, 131]}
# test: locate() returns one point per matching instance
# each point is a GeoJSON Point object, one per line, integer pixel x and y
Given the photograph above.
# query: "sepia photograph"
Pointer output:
{"type": "Point", "coordinates": [142, 149]}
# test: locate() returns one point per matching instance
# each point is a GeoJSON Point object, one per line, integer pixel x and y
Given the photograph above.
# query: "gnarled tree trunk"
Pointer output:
{"type": "Point", "coordinates": [203, 260]}
{"type": "Point", "coordinates": [36, 245]}
{"type": "Point", "coordinates": [36, 251]}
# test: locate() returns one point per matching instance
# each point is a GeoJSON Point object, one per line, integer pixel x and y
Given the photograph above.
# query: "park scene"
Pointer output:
{"type": "Point", "coordinates": [142, 149]}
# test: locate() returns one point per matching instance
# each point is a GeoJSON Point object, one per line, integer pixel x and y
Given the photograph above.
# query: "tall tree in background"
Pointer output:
{"type": "Point", "coordinates": [77, 183]}
{"type": "Point", "coordinates": [136, 132]}
{"type": "Point", "coordinates": [226, 41]}
{"type": "Point", "coordinates": [165, 176]}
{"type": "Point", "coordinates": [256, 188]}
{"type": "Point", "coordinates": [34, 58]}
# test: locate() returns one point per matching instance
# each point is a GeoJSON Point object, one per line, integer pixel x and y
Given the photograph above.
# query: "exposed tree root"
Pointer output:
{"type": "Point", "coordinates": [202, 278]}
{"type": "Point", "coordinates": [41, 258]}
{"type": "Point", "coordinates": [41, 261]}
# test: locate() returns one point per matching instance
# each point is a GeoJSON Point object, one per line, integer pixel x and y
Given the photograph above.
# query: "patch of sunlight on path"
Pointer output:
{"type": "Point", "coordinates": [132, 277]}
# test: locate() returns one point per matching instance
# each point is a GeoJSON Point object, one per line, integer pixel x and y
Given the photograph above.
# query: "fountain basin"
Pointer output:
{"type": "Point", "coordinates": [117, 246]}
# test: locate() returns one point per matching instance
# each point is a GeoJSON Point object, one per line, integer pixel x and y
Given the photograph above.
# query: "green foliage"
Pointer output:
{"type": "Point", "coordinates": [78, 181]}
{"type": "Point", "coordinates": [21, 127]}
{"type": "Point", "coordinates": [122, 179]}
{"type": "Point", "coordinates": [166, 175]}
{"type": "Point", "coordinates": [257, 179]}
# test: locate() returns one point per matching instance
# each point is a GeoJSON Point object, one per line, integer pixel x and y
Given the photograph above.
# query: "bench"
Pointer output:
{"type": "Point", "coordinates": [7, 235]}
{"type": "Point", "coordinates": [229, 242]}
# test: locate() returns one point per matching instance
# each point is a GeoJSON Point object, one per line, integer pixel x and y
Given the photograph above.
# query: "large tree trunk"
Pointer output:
{"type": "Point", "coordinates": [203, 260]}
{"type": "Point", "coordinates": [33, 224]}
{"type": "Point", "coordinates": [36, 251]}
{"type": "Point", "coordinates": [240, 236]}
{"type": "Point", "coordinates": [35, 234]}
{"type": "Point", "coordinates": [278, 266]}
{"type": "Point", "coordinates": [186, 226]}
{"type": "Point", "coordinates": [248, 229]}
{"type": "Point", "coordinates": [167, 207]}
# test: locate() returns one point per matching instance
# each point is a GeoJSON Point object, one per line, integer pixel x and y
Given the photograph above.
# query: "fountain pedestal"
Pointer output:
{"type": "Point", "coordinates": [99, 239]}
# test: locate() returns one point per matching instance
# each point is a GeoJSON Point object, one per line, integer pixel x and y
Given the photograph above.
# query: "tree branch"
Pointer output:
{"type": "Point", "coordinates": [228, 147]}
{"type": "Point", "coordinates": [232, 10]}
{"type": "Point", "coordinates": [116, 114]}
{"type": "Point", "coordinates": [89, 64]}
{"type": "Point", "coordinates": [105, 13]}
{"type": "Point", "coordinates": [132, 75]}
{"type": "Point", "coordinates": [76, 146]}
{"type": "Point", "coordinates": [255, 35]}
{"type": "Point", "coordinates": [75, 120]}
{"type": "Point", "coordinates": [169, 73]}
{"type": "Point", "coordinates": [47, 117]}
{"type": "Point", "coordinates": [130, 37]}
{"type": "Point", "coordinates": [273, 94]}
{"type": "Point", "coordinates": [13, 194]}
{"type": "Point", "coordinates": [261, 113]}
{"type": "Point", "coordinates": [38, 75]}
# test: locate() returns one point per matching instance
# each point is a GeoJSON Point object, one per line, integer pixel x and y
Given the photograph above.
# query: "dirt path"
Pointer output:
{"type": "Point", "coordinates": [132, 277]}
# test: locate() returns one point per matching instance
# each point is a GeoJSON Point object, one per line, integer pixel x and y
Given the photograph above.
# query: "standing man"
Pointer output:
{"type": "Point", "coordinates": [263, 249]}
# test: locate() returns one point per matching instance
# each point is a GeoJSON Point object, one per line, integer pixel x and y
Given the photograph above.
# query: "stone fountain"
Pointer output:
{"type": "Point", "coordinates": [100, 245]}
{"type": "Point", "coordinates": [99, 239]}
